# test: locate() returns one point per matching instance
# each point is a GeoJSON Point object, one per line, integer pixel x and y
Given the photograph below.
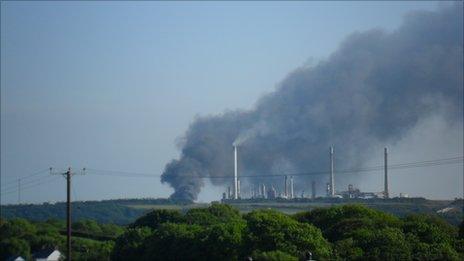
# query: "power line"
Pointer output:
{"type": "Point", "coordinates": [28, 176]}
{"type": "Point", "coordinates": [427, 163]}
{"type": "Point", "coordinates": [8, 187]}
{"type": "Point", "coordinates": [46, 179]}
{"type": "Point", "coordinates": [28, 184]}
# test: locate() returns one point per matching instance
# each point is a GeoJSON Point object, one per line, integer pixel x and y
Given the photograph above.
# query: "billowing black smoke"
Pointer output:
{"type": "Point", "coordinates": [372, 90]}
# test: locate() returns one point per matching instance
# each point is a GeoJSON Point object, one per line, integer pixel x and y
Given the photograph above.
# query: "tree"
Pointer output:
{"type": "Point", "coordinates": [216, 213]}
{"type": "Point", "coordinates": [130, 245]}
{"type": "Point", "coordinates": [431, 238]}
{"type": "Point", "coordinates": [336, 222]}
{"type": "Point", "coordinates": [383, 244]}
{"type": "Point", "coordinates": [270, 230]}
{"type": "Point", "coordinates": [175, 242]}
{"type": "Point", "coordinates": [14, 246]}
{"type": "Point", "coordinates": [224, 241]}
{"type": "Point", "coordinates": [273, 256]}
{"type": "Point", "coordinates": [157, 217]}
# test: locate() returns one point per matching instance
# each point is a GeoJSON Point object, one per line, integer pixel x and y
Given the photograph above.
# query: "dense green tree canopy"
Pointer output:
{"type": "Point", "coordinates": [220, 232]}
{"type": "Point", "coordinates": [270, 230]}
{"type": "Point", "coordinates": [157, 217]}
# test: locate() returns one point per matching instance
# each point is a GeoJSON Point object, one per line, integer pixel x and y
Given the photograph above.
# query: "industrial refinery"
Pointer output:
{"type": "Point", "coordinates": [287, 191]}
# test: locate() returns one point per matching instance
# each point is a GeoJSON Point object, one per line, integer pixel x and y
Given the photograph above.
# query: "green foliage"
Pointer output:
{"type": "Point", "coordinates": [337, 222]}
{"type": "Point", "coordinates": [430, 229]}
{"type": "Point", "coordinates": [210, 233]}
{"type": "Point", "coordinates": [383, 244]}
{"type": "Point", "coordinates": [14, 246]}
{"type": "Point", "coordinates": [216, 213]}
{"type": "Point", "coordinates": [346, 249]}
{"type": "Point", "coordinates": [269, 230]}
{"type": "Point", "coordinates": [273, 256]}
{"type": "Point", "coordinates": [157, 217]}
{"type": "Point", "coordinates": [100, 211]}
{"type": "Point", "coordinates": [130, 245]}
{"type": "Point", "coordinates": [176, 242]}
{"type": "Point", "coordinates": [355, 233]}
{"type": "Point", "coordinates": [224, 241]}
{"type": "Point", "coordinates": [220, 232]}
{"type": "Point", "coordinates": [431, 237]}
{"type": "Point", "coordinates": [21, 237]}
{"type": "Point", "coordinates": [358, 232]}
{"type": "Point", "coordinates": [85, 249]}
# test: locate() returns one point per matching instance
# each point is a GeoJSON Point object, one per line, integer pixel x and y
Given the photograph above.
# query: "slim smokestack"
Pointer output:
{"type": "Point", "coordinates": [235, 174]}
{"type": "Point", "coordinates": [285, 186]}
{"type": "Point", "coordinates": [291, 187]}
{"type": "Point", "coordinates": [238, 188]}
{"type": "Point", "coordinates": [313, 189]}
{"type": "Point", "coordinates": [332, 181]}
{"type": "Point", "coordinates": [229, 196]}
{"type": "Point", "coordinates": [385, 158]}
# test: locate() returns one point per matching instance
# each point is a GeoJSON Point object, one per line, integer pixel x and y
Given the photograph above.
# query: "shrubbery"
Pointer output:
{"type": "Point", "coordinates": [220, 232]}
{"type": "Point", "coordinates": [349, 232]}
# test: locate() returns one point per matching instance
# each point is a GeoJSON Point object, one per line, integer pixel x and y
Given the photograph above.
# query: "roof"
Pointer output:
{"type": "Point", "coordinates": [44, 253]}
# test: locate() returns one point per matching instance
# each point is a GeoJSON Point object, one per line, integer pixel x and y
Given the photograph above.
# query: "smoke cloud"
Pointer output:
{"type": "Point", "coordinates": [372, 90]}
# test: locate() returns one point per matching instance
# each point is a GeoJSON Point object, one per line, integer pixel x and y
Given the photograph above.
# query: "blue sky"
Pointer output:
{"type": "Point", "coordinates": [114, 85]}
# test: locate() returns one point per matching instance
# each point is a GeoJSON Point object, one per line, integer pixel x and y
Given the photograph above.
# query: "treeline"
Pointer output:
{"type": "Point", "coordinates": [91, 241]}
{"type": "Point", "coordinates": [106, 211]}
{"type": "Point", "coordinates": [220, 232]}
{"type": "Point", "coordinates": [349, 232]}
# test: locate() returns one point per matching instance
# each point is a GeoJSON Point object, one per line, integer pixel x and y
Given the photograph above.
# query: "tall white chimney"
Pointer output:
{"type": "Point", "coordinates": [235, 174]}
{"type": "Point", "coordinates": [332, 181]}
{"type": "Point", "coordinates": [238, 188]}
{"type": "Point", "coordinates": [285, 186]}
{"type": "Point", "coordinates": [291, 187]}
{"type": "Point", "coordinates": [385, 158]}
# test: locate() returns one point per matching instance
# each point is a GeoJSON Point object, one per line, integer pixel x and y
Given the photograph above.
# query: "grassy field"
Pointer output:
{"type": "Point", "coordinates": [169, 206]}
{"type": "Point", "coordinates": [398, 207]}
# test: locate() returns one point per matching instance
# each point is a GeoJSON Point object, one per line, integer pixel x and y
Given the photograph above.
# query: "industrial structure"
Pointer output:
{"type": "Point", "coordinates": [385, 163]}
{"type": "Point", "coordinates": [235, 173]}
{"type": "Point", "coordinates": [259, 191]}
{"type": "Point", "coordinates": [332, 179]}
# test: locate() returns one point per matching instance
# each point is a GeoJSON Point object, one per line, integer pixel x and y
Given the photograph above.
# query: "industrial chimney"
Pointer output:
{"type": "Point", "coordinates": [291, 187]}
{"type": "Point", "coordinates": [235, 173]}
{"type": "Point", "coordinates": [385, 158]}
{"type": "Point", "coordinates": [238, 188]}
{"type": "Point", "coordinates": [332, 181]}
{"type": "Point", "coordinates": [285, 186]}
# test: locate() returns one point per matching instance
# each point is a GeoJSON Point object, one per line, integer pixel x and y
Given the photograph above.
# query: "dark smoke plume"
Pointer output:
{"type": "Point", "coordinates": [372, 90]}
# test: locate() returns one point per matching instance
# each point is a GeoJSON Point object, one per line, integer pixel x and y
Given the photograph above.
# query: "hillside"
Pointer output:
{"type": "Point", "coordinates": [124, 211]}
{"type": "Point", "coordinates": [117, 211]}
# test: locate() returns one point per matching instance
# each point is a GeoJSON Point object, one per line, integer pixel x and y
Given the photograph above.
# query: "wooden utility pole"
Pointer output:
{"type": "Point", "coordinates": [68, 174]}
{"type": "Point", "coordinates": [68, 214]}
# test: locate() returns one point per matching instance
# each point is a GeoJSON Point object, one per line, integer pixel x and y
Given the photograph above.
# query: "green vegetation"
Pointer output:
{"type": "Point", "coordinates": [348, 232]}
{"type": "Point", "coordinates": [126, 211]}
{"type": "Point", "coordinates": [221, 232]}
{"type": "Point", "coordinates": [118, 211]}
{"type": "Point", "coordinates": [21, 237]}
